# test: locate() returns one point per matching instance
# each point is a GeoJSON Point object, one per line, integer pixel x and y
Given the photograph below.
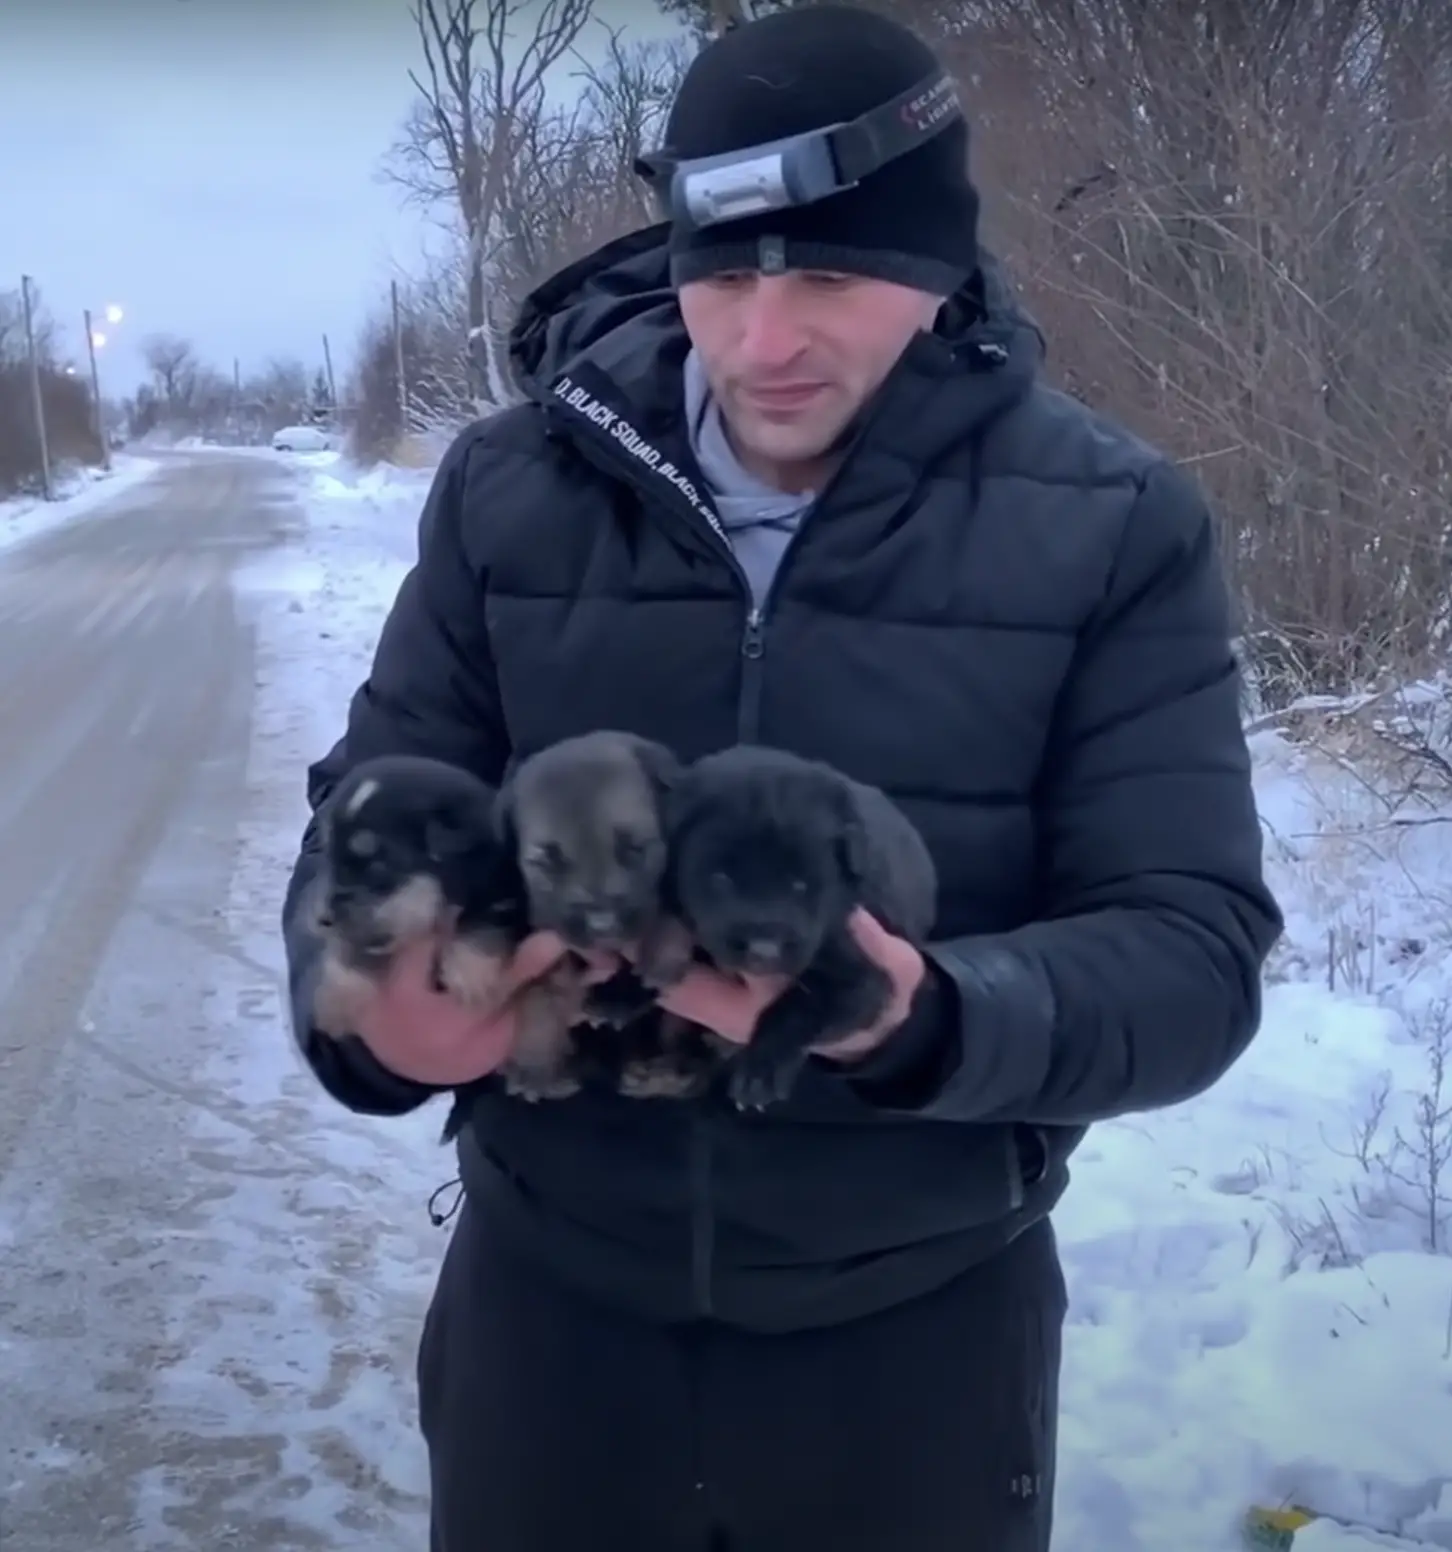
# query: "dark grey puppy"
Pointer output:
{"type": "Point", "coordinates": [410, 850]}
{"type": "Point", "coordinates": [771, 853]}
{"type": "Point", "coordinates": [585, 818]}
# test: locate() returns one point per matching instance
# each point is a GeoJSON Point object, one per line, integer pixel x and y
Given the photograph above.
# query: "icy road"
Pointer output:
{"type": "Point", "coordinates": [189, 1237]}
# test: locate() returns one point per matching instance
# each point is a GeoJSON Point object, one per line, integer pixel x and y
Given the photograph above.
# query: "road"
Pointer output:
{"type": "Point", "coordinates": [124, 670]}
{"type": "Point", "coordinates": [166, 1238]}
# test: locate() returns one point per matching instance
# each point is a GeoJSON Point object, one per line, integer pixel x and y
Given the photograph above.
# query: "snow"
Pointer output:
{"type": "Point", "coordinates": [1255, 1315]}
{"type": "Point", "coordinates": [300, 1356]}
{"type": "Point", "coordinates": [80, 490]}
{"type": "Point", "coordinates": [1260, 1281]}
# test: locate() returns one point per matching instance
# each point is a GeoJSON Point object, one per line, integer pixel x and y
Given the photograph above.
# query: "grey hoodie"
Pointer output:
{"type": "Point", "coordinates": [759, 519]}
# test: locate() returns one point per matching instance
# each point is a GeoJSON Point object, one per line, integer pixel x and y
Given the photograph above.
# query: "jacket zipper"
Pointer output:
{"type": "Point", "coordinates": [753, 640]}
{"type": "Point", "coordinates": [748, 726]}
{"type": "Point", "coordinates": [748, 731]}
{"type": "Point", "coordinates": [702, 1123]}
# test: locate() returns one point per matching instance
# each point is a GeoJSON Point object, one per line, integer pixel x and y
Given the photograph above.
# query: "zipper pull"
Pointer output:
{"type": "Point", "coordinates": [753, 643]}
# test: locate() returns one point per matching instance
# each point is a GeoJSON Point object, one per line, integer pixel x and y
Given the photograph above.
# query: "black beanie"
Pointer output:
{"type": "Point", "coordinates": [914, 221]}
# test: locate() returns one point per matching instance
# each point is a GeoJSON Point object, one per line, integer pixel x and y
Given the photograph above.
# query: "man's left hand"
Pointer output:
{"type": "Point", "coordinates": [731, 1005]}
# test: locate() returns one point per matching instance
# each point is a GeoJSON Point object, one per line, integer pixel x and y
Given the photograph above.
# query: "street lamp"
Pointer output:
{"type": "Point", "coordinates": [96, 340]}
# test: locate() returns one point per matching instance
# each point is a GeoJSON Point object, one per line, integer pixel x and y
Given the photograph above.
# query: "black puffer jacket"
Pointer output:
{"type": "Point", "coordinates": [1004, 611]}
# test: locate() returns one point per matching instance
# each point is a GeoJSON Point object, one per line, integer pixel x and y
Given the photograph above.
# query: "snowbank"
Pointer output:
{"type": "Point", "coordinates": [1261, 1282]}
{"type": "Point", "coordinates": [81, 490]}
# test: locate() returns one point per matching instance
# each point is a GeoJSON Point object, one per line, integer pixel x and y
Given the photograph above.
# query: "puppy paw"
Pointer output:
{"type": "Point", "coordinates": [760, 1078]}
{"type": "Point", "coordinates": [619, 1001]}
{"type": "Point", "coordinates": [532, 1085]}
{"type": "Point", "coordinates": [662, 1078]}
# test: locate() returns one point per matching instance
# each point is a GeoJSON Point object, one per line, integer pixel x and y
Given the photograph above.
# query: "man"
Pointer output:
{"type": "Point", "coordinates": [790, 477]}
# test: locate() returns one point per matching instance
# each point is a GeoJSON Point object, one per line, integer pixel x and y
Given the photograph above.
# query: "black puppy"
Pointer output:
{"type": "Point", "coordinates": [410, 850]}
{"type": "Point", "coordinates": [771, 853]}
{"type": "Point", "coordinates": [585, 817]}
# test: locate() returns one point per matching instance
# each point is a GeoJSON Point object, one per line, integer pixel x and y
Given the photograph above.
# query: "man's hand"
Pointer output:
{"type": "Point", "coordinates": [426, 1036]}
{"type": "Point", "coordinates": [731, 1005]}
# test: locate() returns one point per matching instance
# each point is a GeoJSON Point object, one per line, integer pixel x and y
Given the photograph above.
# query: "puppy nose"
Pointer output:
{"type": "Point", "coordinates": [760, 952]}
{"type": "Point", "coordinates": [601, 919]}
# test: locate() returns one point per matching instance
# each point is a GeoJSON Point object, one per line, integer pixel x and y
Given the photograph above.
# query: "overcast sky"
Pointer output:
{"type": "Point", "coordinates": [210, 166]}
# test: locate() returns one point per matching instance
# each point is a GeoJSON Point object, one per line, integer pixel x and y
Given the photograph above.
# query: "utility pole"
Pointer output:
{"type": "Point", "coordinates": [36, 397]}
{"type": "Point", "coordinates": [332, 381]}
{"type": "Point", "coordinates": [400, 386]}
{"type": "Point", "coordinates": [96, 396]}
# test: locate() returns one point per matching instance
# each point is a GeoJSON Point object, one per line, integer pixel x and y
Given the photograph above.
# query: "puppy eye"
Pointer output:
{"type": "Point", "coordinates": [799, 886]}
{"type": "Point", "coordinates": [548, 858]}
{"type": "Point", "coordinates": [363, 843]}
{"type": "Point", "coordinates": [720, 882]}
{"type": "Point", "coordinates": [628, 848]}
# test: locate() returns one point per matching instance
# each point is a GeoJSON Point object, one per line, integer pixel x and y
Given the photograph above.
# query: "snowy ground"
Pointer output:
{"type": "Point", "coordinates": [80, 491]}
{"type": "Point", "coordinates": [1256, 1312]}
{"type": "Point", "coordinates": [334, 1349]}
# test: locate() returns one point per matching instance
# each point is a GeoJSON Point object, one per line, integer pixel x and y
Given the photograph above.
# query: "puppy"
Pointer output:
{"type": "Point", "coordinates": [771, 853]}
{"type": "Point", "coordinates": [585, 819]}
{"type": "Point", "coordinates": [409, 850]}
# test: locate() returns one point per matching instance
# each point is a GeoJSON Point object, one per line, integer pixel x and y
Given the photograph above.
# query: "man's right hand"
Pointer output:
{"type": "Point", "coordinates": [426, 1036]}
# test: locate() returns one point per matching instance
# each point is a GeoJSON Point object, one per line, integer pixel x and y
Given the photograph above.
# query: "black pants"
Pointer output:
{"type": "Point", "coordinates": [554, 1425]}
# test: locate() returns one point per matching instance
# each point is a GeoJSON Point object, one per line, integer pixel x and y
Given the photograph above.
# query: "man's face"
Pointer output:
{"type": "Point", "coordinates": [792, 358]}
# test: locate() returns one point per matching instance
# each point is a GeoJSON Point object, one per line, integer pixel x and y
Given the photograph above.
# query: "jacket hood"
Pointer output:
{"type": "Point", "coordinates": [616, 311]}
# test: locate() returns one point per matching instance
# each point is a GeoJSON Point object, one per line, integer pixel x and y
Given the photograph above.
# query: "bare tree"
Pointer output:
{"type": "Point", "coordinates": [575, 185]}
{"type": "Point", "coordinates": [1207, 202]}
{"type": "Point", "coordinates": [283, 389]}
{"type": "Point", "coordinates": [189, 397]}
{"type": "Point", "coordinates": [12, 327]}
{"type": "Point", "coordinates": [571, 188]}
{"type": "Point", "coordinates": [173, 363]}
{"type": "Point", "coordinates": [481, 96]}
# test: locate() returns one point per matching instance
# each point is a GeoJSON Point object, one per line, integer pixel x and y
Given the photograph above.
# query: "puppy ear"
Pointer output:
{"type": "Point", "coordinates": [851, 837]}
{"type": "Point", "coordinates": [506, 828]}
{"type": "Point", "coordinates": [660, 765]}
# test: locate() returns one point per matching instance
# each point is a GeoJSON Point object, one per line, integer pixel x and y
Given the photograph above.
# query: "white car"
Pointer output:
{"type": "Point", "coordinates": [301, 439]}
